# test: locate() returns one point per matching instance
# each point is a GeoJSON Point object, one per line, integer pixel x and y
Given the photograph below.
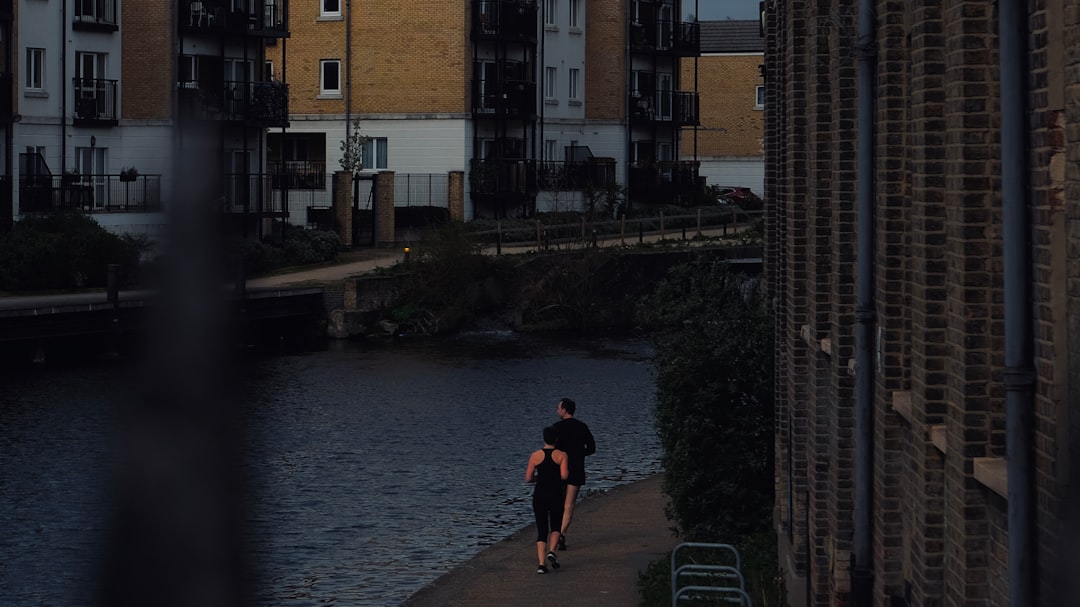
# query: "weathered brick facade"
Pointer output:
{"type": "Point", "coordinates": [605, 61]}
{"type": "Point", "coordinates": [940, 535]}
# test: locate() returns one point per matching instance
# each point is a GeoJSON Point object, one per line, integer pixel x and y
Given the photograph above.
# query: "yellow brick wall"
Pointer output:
{"type": "Point", "coordinates": [148, 28]}
{"type": "Point", "coordinates": [730, 126]}
{"type": "Point", "coordinates": [605, 60]}
{"type": "Point", "coordinates": [408, 57]}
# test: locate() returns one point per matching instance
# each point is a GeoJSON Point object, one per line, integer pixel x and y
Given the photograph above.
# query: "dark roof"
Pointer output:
{"type": "Point", "coordinates": [731, 36]}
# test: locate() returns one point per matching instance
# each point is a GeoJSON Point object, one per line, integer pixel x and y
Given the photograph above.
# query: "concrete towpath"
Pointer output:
{"type": "Point", "coordinates": [614, 537]}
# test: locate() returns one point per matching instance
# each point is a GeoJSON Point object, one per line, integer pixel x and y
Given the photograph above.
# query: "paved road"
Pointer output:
{"type": "Point", "coordinates": [614, 537]}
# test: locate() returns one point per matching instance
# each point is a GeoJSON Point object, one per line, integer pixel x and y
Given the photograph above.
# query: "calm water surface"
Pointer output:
{"type": "Point", "coordinates": [376, 468]}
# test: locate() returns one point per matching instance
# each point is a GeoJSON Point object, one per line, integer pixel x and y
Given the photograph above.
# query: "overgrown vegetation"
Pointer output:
{"type": "Point", "coordinates": [65, 251]}
{"type": "Point", "coordinates": [295, 247]}
{"type": "Point", "coordinates": [714, 415]}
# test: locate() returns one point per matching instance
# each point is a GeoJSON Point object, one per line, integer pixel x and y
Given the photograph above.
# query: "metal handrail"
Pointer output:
{"type": "Point", "coordinates": [675, 592]}
{"type": "Point", "coordinates": [721, 571]}
{"type": "Point", "coordinates": [740, 597]}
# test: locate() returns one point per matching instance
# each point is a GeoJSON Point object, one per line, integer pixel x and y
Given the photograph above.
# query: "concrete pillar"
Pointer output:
{"type": "Point", "coordinates": [343, 206]}
{"type": "Point", "coordinates": [384, 208]}
{"type": "Point", "coordinates": [457, 195]}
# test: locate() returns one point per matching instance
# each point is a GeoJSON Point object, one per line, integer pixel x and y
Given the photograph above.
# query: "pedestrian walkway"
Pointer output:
{"type": "Point", "coordinates": [614, 537]}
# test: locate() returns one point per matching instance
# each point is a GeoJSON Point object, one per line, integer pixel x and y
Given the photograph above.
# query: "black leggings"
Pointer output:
{"type": "Point", "coordinates": [548, 511]}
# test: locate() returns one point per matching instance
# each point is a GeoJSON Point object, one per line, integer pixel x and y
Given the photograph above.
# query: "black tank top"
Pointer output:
{"type": "Point", "coordinates": [548, 475]}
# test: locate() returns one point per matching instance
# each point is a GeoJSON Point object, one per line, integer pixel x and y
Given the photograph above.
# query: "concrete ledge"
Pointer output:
{"type": "Point", "coordinates": [992, 472]}
{"type": "Point", "coordinates": [938, 437]}
{"type": "Point", "coordinates": [901, 403]}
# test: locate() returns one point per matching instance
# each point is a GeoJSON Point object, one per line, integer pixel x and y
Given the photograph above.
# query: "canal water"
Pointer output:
{"type": "Point", "coordinates": [377, 467]}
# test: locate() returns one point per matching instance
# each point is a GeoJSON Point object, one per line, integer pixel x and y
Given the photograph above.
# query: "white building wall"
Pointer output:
{"type": "Point", "coordinates": [735, 171]}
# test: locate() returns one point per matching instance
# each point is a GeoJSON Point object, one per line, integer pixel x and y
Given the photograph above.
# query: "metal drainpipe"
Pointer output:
{"type": "Point", "coordinates": [1019, 364]}
{"type": "Point", "coordinates": [862, 560]}
{"type": "Point", "coordinates": [348, 67]}
{"type": "Point", "coordinates": [63, 87]}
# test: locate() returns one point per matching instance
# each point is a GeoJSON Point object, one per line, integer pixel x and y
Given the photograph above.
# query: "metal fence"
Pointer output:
{"type": "Point", "coordinates": [422, 190]}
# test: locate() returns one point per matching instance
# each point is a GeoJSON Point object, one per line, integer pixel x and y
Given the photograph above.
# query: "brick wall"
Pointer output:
{"type": "Point", "coordinates": [605, 61]}
{"type": "Point", "coordinates": [147, 46]}
{"type": "Point", "coordinates": [421, 47]}
{"type": "Point", "coordinates": [1071, 538]}
{"type": "Point", "coordinates": [731, 125]}
{"type": "Point", "coordinates": [940, 534]}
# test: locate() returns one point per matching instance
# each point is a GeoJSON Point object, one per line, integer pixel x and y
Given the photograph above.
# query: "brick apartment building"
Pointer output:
{"type": "Point", "coordinates": [941, 476]}
{"type": "Point", "coordinates": [729, 141]}
{"type": "Point", "coordinates": [534, 101]}
{"type": "Point", "coordinates": [115, 105]}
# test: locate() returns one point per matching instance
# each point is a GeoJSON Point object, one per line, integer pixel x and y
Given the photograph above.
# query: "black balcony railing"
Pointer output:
{"type": "Point", "coordinates": [674, 37]}
{"type": "Point", "coordinates": [512, 19]}
{"type": "Point", "coordinates": [95, 101]}
{"type": "Point", "coordinates": [252, 193]}
{"type": "Point", "coordinates": [297, 174]}
{"type": "Point", "coordinates": [95, 15]}
{"type": "Point", "coordinates": [664, 182]}
{"type": "Point", "coordinates": [89, 193]}
{"type": "Point", "coordinates": [502, 177]}
{"type": "Point", "coordinates": [679, 107]}
{"type": "Point", "coordinates": [268, 18]}
{"type": "Point", "coordinates": [505, 98]}
{"type": "Point", "coordinates": [258, 103]}
{"type": "Point", "coordinates": [569, 176]}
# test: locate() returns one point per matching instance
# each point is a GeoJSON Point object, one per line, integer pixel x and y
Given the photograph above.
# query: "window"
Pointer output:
{"type": "Point", "coordinates": [268, 71]}
{"type": "Point", "coordinates": [35, 69]}
{"type": "Point", "coordinates": [550, 88]}
{"type": "Point", "coordinates": [331, 8]}
{"type": "Point", "coordinates": [374, 155]}
{"type": "Point", "coordinates": [549, 149]}
{"type": "Point", "coordinates": [574, 10]}
{"type": "Point", "coordinates": [550, 11]}
{"type": "Point", "coordinates": [759, 97]}
{"type": "Point", "coordinates": [331, 77]}
{"type": "Point", "coordinates": [574, 76]}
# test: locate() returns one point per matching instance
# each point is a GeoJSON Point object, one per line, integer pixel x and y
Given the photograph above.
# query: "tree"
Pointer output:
{"type": "Point", "coordinates": [352, 149]}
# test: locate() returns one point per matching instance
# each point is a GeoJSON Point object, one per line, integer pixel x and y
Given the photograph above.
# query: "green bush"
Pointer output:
{"type": "Point", "coordinates": [297, 247]}
{"type": "Point", "coordinates": [63, 251]}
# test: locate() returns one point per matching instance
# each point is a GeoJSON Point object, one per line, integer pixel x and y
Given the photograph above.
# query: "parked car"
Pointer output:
{"type": "Point", "coordinates": [737, 195]}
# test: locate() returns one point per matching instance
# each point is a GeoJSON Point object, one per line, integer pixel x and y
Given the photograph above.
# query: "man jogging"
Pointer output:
{"type": "Point", "coordinates": [577, 441]}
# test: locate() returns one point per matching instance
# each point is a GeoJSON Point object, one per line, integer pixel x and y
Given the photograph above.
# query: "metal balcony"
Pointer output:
{"type": "Point", "coordinates": [679, 108]}
{"type": "Point", "coordinates": [502, 178]}
{"type": "Point", "coordinates": [506, 98]}
{"type": "Point", "coordinates": [266, 18]}
{"type": "Point", "coordinates": [256, 103]}
{"type": "Point", "coordinates": [95, 102]}
{"type": "Point", "coordinates": [44, 193]}
{"type": "Point", "coordinates": [677, 38]}
{"type": "Point", "coordinates": [665, 181]}
{"type": "Point", "coordinates": [505, 19]}
{"type": "Point", "coordinates": [95, 16]}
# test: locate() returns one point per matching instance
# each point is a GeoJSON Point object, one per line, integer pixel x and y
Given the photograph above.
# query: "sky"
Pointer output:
{"type": "Point", "coordinates": [716, 10]}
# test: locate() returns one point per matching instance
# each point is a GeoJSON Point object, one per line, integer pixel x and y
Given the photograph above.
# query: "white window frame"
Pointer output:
{"type": "Point", "coordinates": [575, 10]}
{"type": "Point", "coordinates": [759, 97]}
{"type": "Point", "coordinates": [35, 69]}
{"type": "Point", "coordinates": [551, 86]}
{"type": "Point", "coordinates": [375, 153]}
{"type": "Point", "coordinates": [324, 11]}
{"type": "Point", "coordinates": [550, 149]}
{"type": "Point", "coordinates": [574, 90]}
{"type": "Point", "coordinates": [323, 90]}
{"type": "Point", "coordinates": [551, 12]}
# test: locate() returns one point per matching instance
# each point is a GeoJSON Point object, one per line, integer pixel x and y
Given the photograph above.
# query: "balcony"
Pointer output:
{"type": "Point", "coordinates": [268, 19]}
{"type": "Point", "coordinates": [502, 178]}
{"type": "Point", "coordinates": [679, 108]}
{"type": "Point", "coordinates": [95, 102]}
{"type": "Point", "coordinates": [297, 174]}
{"type": "Point", "coordinates": [505, 20]}
{"type": "Point", "coordinates": [679, 38]}
{"type": "Point", "coordinates": [252, 193]}
{"type": "Point", "coordinates": [263, 104]}
{"type": "Point", "coordinates": [506, 98]}
{"type": "Point", "coordinates": [45, 193]}
{"type": "Point", "coordinates": [95, 16]}
{"type": "Point", "coordinates": [552, 176]}
{"type": "Point", "coordinates": [665, 181]}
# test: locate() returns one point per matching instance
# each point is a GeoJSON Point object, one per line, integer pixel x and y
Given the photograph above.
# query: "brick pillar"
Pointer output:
{"type": "Point", "coordinates": [384, 208]}
{"type": "Point", "coordinates": [457, 195]}
{"type": "Point", "coordinates": [343, 206]}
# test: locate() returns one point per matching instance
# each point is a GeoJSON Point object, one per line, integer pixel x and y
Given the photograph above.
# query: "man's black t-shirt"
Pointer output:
{"type": "Point", "coordinates": [577, 441]}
